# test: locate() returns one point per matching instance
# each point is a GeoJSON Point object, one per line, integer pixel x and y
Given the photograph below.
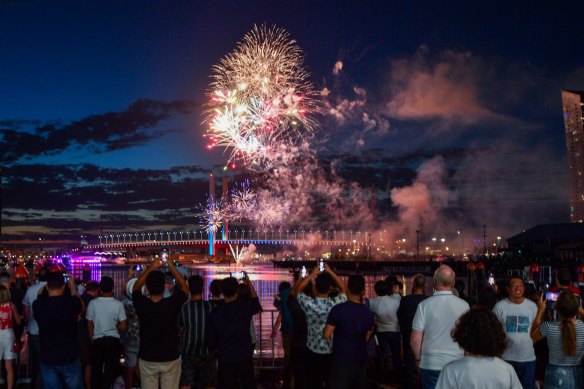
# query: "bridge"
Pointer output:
{"type": "Point", "coordinates": [242, 237]}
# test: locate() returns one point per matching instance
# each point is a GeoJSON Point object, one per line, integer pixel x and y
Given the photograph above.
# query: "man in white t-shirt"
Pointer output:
{"type": "Point", "coordinates": [387, 331]}
{"type": "Point", "coordinates": [105, 316]}
{"type": "Point", "coordinates": [435, 318]}
{"type": "Point", "coordinates": [517, 313]}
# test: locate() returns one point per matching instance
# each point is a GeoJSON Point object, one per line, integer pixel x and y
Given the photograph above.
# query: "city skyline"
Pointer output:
{"type": "Point", "coordinates": [449, 117]}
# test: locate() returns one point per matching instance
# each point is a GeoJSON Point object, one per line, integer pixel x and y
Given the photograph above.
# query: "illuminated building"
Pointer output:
{"type": "Point", "coordinates": [572, 103]}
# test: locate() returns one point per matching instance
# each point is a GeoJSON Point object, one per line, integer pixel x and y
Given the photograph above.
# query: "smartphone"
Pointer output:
{"type": "Point", "coordinates": [164, 256]}
{"type": "Point", "coordinates": [238, 274]}
{"type": "Point", "coordinates": [491, 279]}
{"type": "Point", "coordinates": [303, 272]}
{"type": "Point", "coordinates": [138, 267]}
{"type": "Point", "coordinates": [551, 296]}
{"type": "Point", "coordinates": [321, 264]}
{"type": "Point", "coordinates": [66, 278]}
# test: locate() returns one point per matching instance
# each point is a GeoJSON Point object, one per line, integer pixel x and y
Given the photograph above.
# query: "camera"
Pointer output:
{"type": "Point", "coordinates": [240, 275]}
{"type": "Point", "coordinates": [303, 272]}
{"type": "Point", "coordinates": [164, 256]}
{"type": "Point", "coordinates": [551, 296]}
{"type": "Point", "coordinates": [138, 267]}
{"type": "Point", "coordinates": [491, 279]}
{"type": "Point", "coordinates": [321, 264]}
{"type": "Point", "coordinates": [66, 278]}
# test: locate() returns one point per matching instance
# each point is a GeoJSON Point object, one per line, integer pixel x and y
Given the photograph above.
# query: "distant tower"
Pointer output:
{"type": "Point", "coordinates": [573, 105]}
{"type": "Point", "coordinates": [211, 198]}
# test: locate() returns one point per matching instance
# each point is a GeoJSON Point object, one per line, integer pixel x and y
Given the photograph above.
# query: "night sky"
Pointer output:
{"type": "Point", "coordinates": [101, 110]}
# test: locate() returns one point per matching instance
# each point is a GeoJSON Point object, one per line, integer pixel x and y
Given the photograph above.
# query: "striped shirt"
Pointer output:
{"type": "Point", "coordinates": [193, 319]}
{"type": "Point", "coordinates": [551, 330]}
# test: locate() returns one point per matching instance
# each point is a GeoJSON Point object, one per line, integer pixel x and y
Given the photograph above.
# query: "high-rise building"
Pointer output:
{"type": "Point", "coordinates": [573, 105]}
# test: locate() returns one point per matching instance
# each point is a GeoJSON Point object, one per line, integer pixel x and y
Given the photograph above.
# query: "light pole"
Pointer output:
{"type": "Point", "coordinates": [417, 245]}
{"type": "Point", "coordinates": [484, 239]}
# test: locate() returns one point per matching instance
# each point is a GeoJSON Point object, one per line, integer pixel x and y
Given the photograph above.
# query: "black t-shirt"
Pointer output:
{"type": "Point", "coordinates": [299, 327]}
{"type": "Point", "coordinates": [406, 313]}
{"type": "Point", "coordinates": [158, 326]}
{"type": "Point", "coordinates": [57, 319]}
{"type": "Point", "coordinates": [83, 331]}
{"type": "Point", "coordinates": [228, 330]}
{"type": "Point", "coordinates": [352, 321]}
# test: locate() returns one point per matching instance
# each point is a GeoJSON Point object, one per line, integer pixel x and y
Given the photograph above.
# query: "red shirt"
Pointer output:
{"type": "Point", "coordinates": [571, 288]}
{"type": "Point", "coordinates": [5, 316]}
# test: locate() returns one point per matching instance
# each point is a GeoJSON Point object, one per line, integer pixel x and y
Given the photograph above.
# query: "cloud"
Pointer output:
{"type": "Point", "coordinates": [447, 89]}
{"type": "Point", "coordinates": [105, 132]}
{"type": "Point", "coordinates": [69, 200]}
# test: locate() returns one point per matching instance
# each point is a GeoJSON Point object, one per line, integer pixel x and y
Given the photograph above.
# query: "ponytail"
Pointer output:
{"type": "Point", "coordinates": [568, 337]}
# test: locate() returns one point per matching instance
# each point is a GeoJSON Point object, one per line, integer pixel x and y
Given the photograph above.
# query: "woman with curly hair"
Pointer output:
{"type": "Point", "coordinates": [565, 339]}
{"type": "Point", "coordinates": [480, 334]}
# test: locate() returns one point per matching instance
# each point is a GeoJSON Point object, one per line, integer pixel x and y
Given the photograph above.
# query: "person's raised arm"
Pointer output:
{"type": "Point", "coordinates": [131, 274]}
{"type": "Point", "coordinates": [142, 279]}
{"type": "Point", "coordinates": [536, 334]}
{"type": "Point", "coordinates": [249, 284]}
{"type": "Point", "coordinates": [182, 284]}
{"type": "Point", "coordinates": [335, 278]}
{"type": "Point", "coordinates": [301, 284]}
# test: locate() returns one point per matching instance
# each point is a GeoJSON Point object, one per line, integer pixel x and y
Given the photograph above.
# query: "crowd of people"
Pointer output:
{"type": "Point", "coordinates": [156, 335]}
{"type": "Point", "coordinates": [445, 340]}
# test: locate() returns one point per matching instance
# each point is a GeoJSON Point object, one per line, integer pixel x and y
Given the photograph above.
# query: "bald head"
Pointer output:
{"type": "Point", "coordinates": [444, 277]}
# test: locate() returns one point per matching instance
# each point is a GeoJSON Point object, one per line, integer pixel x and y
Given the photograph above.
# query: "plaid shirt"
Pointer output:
{"type": "Point", "coordinates": [317, 310]}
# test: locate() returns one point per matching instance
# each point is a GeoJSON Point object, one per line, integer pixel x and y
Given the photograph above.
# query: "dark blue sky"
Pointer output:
{"type": "Point", "coordinates": [100, 105]}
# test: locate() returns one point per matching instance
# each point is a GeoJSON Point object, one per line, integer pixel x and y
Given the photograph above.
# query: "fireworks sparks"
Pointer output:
{"type": "Point", "coordinates": [243, 201]}
{"type": "Point", "coordinates": [262, 102]}
{"type": "Point", "coordinates": [270, 210]}
{"type": "Point", "coordinates": [213, 214]}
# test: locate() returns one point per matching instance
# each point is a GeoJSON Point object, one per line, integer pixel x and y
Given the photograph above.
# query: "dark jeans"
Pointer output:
{"type": "Point", "coordinates": [105, 362]}
{"type": "Point", "coordinates": [236, 375]}
{"type": "Point", "coordinates": [299, 370]}
{"type": "Point", "coordinates": [389, 342]}
{"type": "Point", "coordinates": [62, 376]}
{"type": "Point", "coordinates": [429, 378]}
{"type": "Point", "coordinates": [409, 365]}
{"type": "Point", "coordinates": [348, 375]}
{"type": "Point", "coordinates": [526, 373]}
{"type": "Point", "coordinates": [318, 369]}
{"type": "Point", "coordinates": [34, 360]}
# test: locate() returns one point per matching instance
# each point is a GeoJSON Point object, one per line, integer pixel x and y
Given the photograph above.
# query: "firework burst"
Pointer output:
{"type": "Point", "coordinates": [213, 215]}
{"type": "Point", "coordinates": [271, 210]}
{"type": "Point", "coordinates": [243, 201]}
{"type": "Point", "coordinates": [261, 101]}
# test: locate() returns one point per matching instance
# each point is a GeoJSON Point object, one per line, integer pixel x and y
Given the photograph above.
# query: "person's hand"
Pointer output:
{"type": "Point", "coordinates": [131, 272]}
{"type": "Point", "coordinates": [315, 271]}
{"type": "Point", "coordinates": [541, 302]}
{"type": "Point", "coordinates": [157, 263]}
{"type": "Point", "coordinates": [71, 280]}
